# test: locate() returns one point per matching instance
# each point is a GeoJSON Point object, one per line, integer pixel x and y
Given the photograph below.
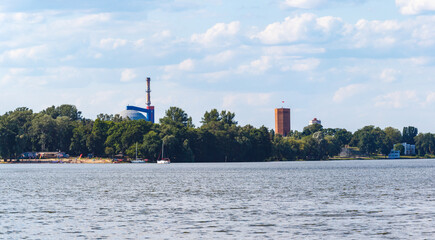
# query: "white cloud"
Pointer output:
{"type": "Point", "coordinates": [305, 64]}
{"type": "Point", "coordinates": [22, 17]}
{"type": "Point", "coordinates": [296, 63]}
{"type": "Point", "coordinates": [306, 4]}
{"type": "Point", "coordinates": [430, 98]}
{"type": "Point", "coordinates": [294, 49]}
{"type": "Point", "coordinates": [162, 35]}
{"type": "Point", "coordinates": [24, 78]}
{"type": "Point", "coordinates": [304, 27]}
{"type": "Point", "coordinates": [213, 77]}
{"type": "Point", "coordinates": [128, 75]}
{"type": "Point", "coordinates": [184, 66]}
{"type": "Point", "coordinates": [102, 97]}
{"type": "Point", "coordinates": [221, 57]}
{"type": "Point", "coordinates": [90, 19]}
{"type": "Point", "coordinates": [376, 33]}
{"type": "Point", "coordinates": [412, 7]}
{"type": "Point", "coordinates": [111, 43]}
{"type": "Point", "coordinates": [220, 32]}
{"type": "Point", "coordinates": [349, 91]}
{"type": "Point", "coordinates": [310, 4]}
{"type": "Point", "coordinates": [308, 28]}
{"type": "Point", "coordinates": [388, 75]}
{"type": "Point", "coordinates": [30, 53]}
{"type": "Point", "coordinates": [399, 99]}
{"type": "Point", "coordinates": [258, 66]}
{"type": "Point", "coordinates": [422, 30]}
{"type": "Point", "coordinates": [418, 60]}
{"type": "Point", "coordinates": [233, 100]}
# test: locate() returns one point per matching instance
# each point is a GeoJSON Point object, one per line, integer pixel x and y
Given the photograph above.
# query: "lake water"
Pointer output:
{"type": "Point", "coordinates": [278, 200]}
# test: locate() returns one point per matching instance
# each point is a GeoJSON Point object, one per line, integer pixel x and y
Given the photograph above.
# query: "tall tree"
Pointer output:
{"type": "Point", "coordinates": [370, 140]}
{"type": "Point", "coordinates": [212, 116]}
{"type": "Point", "coordinates": [176, 116]}
{"type": "Point", "coordinates": [393, 136]}
{"type": "Point", "coordinates": [408, 134]}
{"type": "Point", "coordinates": [66, 110]}
{"type": "Point", "coordinates": [425, 144]}
{"type": "Point", "coordinates": [14, 132]}
{"type": "Point", "coordinates": [43, 131]}
{"type": "Point", "coordinates": [64, 132]}
{"type": "Point", "coordinates": [342, 137]}
{"type": "Point", "coordinates": [97, 138]}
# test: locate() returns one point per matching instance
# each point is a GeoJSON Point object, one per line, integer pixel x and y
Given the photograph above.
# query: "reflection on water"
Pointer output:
{"type": "Point", "coordinates": [297, 200]}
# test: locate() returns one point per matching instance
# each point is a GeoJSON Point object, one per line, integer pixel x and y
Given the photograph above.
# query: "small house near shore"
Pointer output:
{"type": "Point", "coordinates": [394, 154]}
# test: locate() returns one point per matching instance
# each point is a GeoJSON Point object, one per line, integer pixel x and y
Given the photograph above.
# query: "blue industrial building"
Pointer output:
{"type": "Point", "coordinates": [135, 113]}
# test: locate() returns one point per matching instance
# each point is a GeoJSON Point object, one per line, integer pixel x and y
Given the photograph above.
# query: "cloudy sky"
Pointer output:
{"type": "Point", "coordinates": [350, 63]}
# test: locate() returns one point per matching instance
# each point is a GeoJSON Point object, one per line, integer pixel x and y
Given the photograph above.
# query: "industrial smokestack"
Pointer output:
{"type": "Point", "coordinates": [148, 92]}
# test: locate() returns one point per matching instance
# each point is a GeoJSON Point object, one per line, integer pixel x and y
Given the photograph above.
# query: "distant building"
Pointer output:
{"type": "Point", "coordinates": [282, 121]}
{"type": "Point", "coordinates": [409, 149]}
{"type": "Point", "coordinates": [394, 154]}
{"type": "Point", "coordinates": [315, 121]}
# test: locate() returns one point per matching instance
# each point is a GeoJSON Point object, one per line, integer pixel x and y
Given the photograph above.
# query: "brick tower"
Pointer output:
{"type": "Point", "coordinates": [282, 121]}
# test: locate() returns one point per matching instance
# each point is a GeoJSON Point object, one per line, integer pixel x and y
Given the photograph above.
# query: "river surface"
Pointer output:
{"type": "Point", "coordinates": [388, 199]}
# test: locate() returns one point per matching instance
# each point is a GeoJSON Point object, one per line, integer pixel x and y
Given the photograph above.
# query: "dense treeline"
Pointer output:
{"type": "Point", "coordinates": [219, 138]}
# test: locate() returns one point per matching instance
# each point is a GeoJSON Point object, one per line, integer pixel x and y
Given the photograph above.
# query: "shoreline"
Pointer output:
{"type": "Point", "coordinates": [58, 161]}
{"type": "Point", "coordinates": [110, 161]}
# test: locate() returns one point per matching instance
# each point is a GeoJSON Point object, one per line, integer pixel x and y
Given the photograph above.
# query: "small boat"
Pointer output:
{"type": "Point", "coordinates": [137, 160]}
{"type": "Point", "coordinates": [163, 160]}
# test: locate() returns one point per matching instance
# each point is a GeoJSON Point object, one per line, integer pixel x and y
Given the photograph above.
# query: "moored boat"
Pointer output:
{"type": "Point", "coordinates": [138, 161]}
{"type": "Point", "coordinates": [163, 160]}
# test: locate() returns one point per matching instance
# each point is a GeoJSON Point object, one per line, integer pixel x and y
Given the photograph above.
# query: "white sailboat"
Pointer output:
{"type": "Point", "coordinates": [137, 160]}
{"type": "Point", "coordinates": [163, 160]}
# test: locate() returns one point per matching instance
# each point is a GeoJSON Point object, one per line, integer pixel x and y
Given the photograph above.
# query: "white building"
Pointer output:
{"type": "Point", "coordinates": [409, 149]}
{"type": "Point", "coordinates": [315, 121]}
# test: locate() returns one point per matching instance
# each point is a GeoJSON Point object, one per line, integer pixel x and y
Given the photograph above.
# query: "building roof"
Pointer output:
{"type": "Point", "coordinates": [132, 114]}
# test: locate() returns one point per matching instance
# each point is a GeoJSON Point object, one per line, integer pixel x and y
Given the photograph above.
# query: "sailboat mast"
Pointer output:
{"type": "Point", "coordinates": [163, 148]}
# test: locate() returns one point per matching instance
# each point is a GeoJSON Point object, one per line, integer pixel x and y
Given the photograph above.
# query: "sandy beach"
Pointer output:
{"type": "Point", "coordinates": [62, 160]}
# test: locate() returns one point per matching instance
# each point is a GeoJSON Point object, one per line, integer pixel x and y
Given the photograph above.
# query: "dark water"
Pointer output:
{"type": "Point", "coordinates": [292, 200]}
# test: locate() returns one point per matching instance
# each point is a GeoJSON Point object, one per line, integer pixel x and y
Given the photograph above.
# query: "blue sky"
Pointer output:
{"type": "Point", "coordinates": [350, 63]}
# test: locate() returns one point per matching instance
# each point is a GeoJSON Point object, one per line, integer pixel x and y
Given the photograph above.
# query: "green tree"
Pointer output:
{"type": "Point", "coordinates": [425, 144]}
{"type": "Point", "coordinates": [370, 140]}
{"type": "Point", "coordinates": [43, 132]}
{"type": "Point", "coordinates": [64, 132]}
{"type": "Point", "coordinates": [319, 147]}
{"type": "Point", "coordinates": [286, 148]}
{"type": "Point", "coordinates": [177, 117]}
{"type": "Point", "coordinates": [393, 136]}
{"type": "Point", "coordinates": [123, 135]}
{"type": "Point", "coordinates": [409, 133]}
{"type": "Point", "coordinates": [399, 147]}
{"type": "Point", "coordinates": [151, 146]}
{"type": "Point", "coordinates": [342, 137]}
{"type": "Point", "coordinates": [105, 117]}
{"type": "Point", "coordinates": [14, 132]}
{"type": "Point", "coordinates": [212, 116]}
{"type": "Point", "coordinates": [227, 117]}
{"type": "Point", "coordinates": [97, 138]}
{"type": "Point", "coordinates": [310, 129]}
{"type": "Point", "coordinates": [63, 110]}
{"type": "Point", "coordinates": [81, 132]}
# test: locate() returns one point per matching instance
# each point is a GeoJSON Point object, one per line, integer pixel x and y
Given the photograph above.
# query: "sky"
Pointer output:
{"type": "Point", "coordinates": [349, 63]}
